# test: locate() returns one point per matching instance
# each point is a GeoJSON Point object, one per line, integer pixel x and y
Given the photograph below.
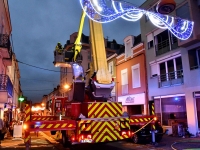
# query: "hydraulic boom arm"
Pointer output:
{"type": "Point", "coordinates": [77, 45]}
{"type": "Point", "coordinates": [100, 83]}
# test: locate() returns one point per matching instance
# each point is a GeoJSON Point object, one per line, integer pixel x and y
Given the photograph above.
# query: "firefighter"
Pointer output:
{"type": "Point", "coordinates": [59, 48]}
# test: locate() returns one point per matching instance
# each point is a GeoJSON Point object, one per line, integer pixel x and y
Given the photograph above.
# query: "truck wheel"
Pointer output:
{"type": "Point", "coordinates": [65, 140]}
{"type": "Point", "coordinates": [135, 139]}
{"type": "Point", "coordinates": [53, 132]}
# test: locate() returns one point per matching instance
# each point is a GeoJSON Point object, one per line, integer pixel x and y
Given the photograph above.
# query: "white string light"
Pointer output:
{"type": "Point", "coordinates": [99, 11]}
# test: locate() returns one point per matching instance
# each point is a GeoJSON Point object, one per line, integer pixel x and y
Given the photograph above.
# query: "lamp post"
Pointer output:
{"type": "Point", "coordinates": [21, 99]}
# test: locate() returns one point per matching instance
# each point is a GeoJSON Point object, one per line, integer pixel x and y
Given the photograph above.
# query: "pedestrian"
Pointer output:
{"type": "Point", "coordinates": [59, 48]}
{"type": "Point", "coordinates": [6, 127]}
{"type": "Point", "coordinates": [1, 127]}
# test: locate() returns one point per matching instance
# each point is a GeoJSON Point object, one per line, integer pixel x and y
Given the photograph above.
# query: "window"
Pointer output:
{"type": "Point", "coordinates": [183, 11]}
{"type": "Point", "coordinates": [154, 70]}
{"type": "Point", "coordinates": [124, 80]}
{"type": "Point", "coordinates": [169, 108]}
{"type": "Point", "coordinates": [89, 56]}
{"type": "Point", "coordinates": [113, 91]}
{"type": "Point", "coordinates": [150, 44]}
{"type": "Point", "coordinates": [110, 67]}
{"type": "Point", "coordinates": [194, 58]}
{"type": "Point", "coordinates": [136, 76]}
{"type": "Point", "coordinates": [171, 72]}
{"type": "Point", "coordinates": [128, 42]}
{"type": "Point", "coordinates": [198, 110]}
{"type": "Point", "coordinates": [128, 49]}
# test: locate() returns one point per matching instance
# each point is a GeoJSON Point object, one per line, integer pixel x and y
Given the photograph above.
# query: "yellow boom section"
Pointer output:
{"type": "Point", "coordinates": [103, 76]}
{"type": "Point", "coordinates": [78, 46]}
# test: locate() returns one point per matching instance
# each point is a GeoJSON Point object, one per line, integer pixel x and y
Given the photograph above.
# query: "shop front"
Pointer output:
{"type": "Point", "coordinates": [197, 97]}
{"type": "Point", "coordinates": [171, 111]}
{"type": "Point", "coordinates": [133, 103]}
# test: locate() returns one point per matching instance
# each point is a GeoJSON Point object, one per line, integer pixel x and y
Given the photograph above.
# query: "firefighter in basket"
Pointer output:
{"type": "Point", "coordinates": [59, 48]}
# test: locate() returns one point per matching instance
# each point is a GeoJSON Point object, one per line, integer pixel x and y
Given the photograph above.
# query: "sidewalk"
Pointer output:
{"type": "Point", "coordinates": [180, 143]}
{"type": "Point", "coordinates": [19, 142]}
{"type": "Point", "coordinates": [11, 142]}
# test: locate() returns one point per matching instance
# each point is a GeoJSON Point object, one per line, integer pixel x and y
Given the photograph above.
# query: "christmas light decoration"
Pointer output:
{"type": "Point", "coordinates": [104, 11]}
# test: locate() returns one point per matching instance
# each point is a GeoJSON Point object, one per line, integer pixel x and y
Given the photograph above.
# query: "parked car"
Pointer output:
{"type": "Point", "coordinates": [144, 135]}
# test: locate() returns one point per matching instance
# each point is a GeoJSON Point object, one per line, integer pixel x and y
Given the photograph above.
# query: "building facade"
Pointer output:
{"type": "Point", "coordinates": [173, 68]}
{"type": "Point", "coordinates": [131, 77]}
{"type": "Point", "coordinates": [6, 86]}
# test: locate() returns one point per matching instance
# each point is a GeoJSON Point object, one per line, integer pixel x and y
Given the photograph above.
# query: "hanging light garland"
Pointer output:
{"type": "Point", "coordinates": [104, 11]}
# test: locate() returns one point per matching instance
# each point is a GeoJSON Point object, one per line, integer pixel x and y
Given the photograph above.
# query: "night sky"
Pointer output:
{"type": "Point", "coordinates": [37, 26]}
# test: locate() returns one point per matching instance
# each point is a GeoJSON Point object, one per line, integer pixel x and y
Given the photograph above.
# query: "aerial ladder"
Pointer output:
{"type": "Point", "coordinates": [100, 83]}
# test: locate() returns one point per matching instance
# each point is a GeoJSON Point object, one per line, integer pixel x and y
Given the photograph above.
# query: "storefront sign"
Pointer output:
{"type": "Point", "coordinates": [135, 99]}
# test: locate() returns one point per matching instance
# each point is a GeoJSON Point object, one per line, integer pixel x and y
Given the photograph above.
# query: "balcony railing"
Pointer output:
{"type": "Point", "coordinates": [171, 79]}
{"type": "Point", "coordinates": [5, 43]}
{"type": "Point", "coordinates": [125, 89]}
{"type": "Point", "coordinates": [164, 46]}
{"type": "Point", "coordinates": [6, 84]}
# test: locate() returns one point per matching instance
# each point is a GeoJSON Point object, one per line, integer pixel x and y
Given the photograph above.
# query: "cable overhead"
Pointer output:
{"type": "Point", "coordinates": [38, 90]}
{"type": "Point", "coordinates": [40, 67]}
{"type": "Point", "coordinates": [37, 80]}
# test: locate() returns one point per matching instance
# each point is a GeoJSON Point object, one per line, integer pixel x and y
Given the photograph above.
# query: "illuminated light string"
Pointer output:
{"type": "Point", "coordinates": [99, 11]}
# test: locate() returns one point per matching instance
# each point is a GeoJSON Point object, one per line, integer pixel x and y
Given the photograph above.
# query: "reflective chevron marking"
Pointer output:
{"type": "Point", "coordinates": [103, 110]}
{"type": "Point", "coordinates": [106, 131]}
{"type": "Point", "coordinates": [43, 118]}
{"type": "Point", "coordinates": [142, 119]}
{"type": "Point", "coordinates": [28, 113]}
{"type": "Point", "coordinates": [152, 109]}
{"type": "Point", "coordinates": [49, 125]}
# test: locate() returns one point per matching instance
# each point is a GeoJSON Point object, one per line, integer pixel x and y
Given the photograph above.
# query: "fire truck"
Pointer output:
{"type": "Point", "coordinates": [88, 116]}
{"type": "Point", "coordinates": [97, 120]}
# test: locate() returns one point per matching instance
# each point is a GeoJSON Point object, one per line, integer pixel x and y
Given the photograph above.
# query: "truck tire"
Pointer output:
{"type": "Point", "coordinates": [53, 132]}
{"type": "Point", "coordinates": [65, 140]}
{"type": "Point", "coordinates": [135, 139]}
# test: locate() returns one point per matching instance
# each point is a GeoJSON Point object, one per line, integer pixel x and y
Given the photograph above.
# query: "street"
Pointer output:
{"type": "Point", "coordinates": [45, 141]}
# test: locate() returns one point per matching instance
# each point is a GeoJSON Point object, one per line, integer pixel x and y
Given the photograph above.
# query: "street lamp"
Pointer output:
{"type": "Point", "coordinates": [21, 99]}
{"type": "Point", "coordinates": [66, 86]}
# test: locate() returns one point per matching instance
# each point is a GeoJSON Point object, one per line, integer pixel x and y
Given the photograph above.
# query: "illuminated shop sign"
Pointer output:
{"type": "Point", "coordinates": [134, 99]}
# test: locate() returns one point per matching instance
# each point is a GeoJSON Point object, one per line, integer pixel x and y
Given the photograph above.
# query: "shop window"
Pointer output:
{"type": "Point", "coordinates": [198, 110]}
{"type": "Point", "coordinates": [171, 110]}
{"type": "Point", "coordinates": [136, 76]}
{"type": "Point", "coordinates": [157, 108]}
{"type": "Point", "coordinates": [194, 58]}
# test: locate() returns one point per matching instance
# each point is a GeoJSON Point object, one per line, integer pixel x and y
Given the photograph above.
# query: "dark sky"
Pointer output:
{"type": "Point", "coordinates": [37, 25]}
